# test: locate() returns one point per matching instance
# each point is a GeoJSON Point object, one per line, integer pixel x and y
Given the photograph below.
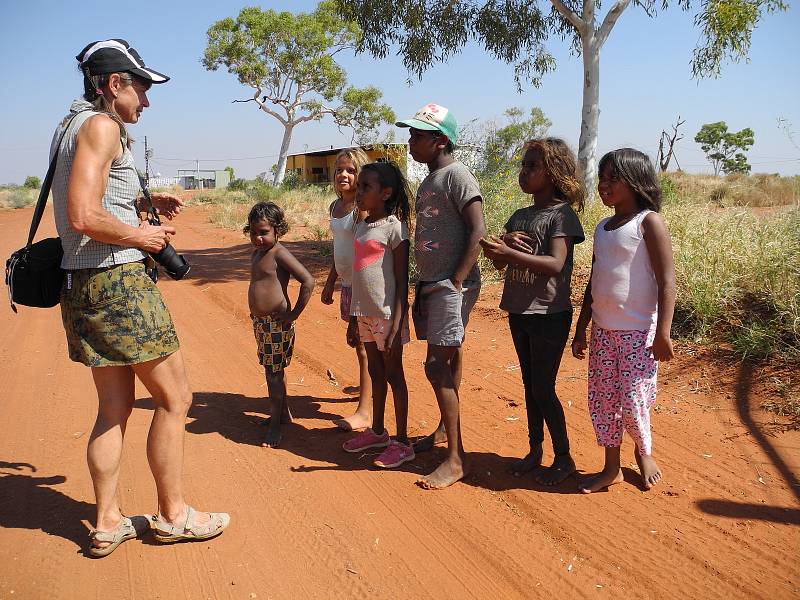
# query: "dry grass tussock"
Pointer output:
{"type": "Point", "coordinates": [735, 190]}
{"type": "Point", "coordinates": [18, 197]}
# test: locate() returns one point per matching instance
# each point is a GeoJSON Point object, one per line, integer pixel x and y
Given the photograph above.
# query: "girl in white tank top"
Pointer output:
{"type": "Point", "coordinates": [344, 215]}
{"type": "Point", "coordinates": [630, 300]}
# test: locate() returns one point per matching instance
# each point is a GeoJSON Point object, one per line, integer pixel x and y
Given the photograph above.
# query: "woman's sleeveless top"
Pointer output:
{"type": "Point", "coordinates": [624, 288]}
{"type": "Point", "coordinates": [342, 229]}
{"type": "Point", "coordinates": [80, 251]}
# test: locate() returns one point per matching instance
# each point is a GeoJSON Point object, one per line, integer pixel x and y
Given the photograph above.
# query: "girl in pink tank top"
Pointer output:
{"type": "Point", "coordinates": [630, 299]}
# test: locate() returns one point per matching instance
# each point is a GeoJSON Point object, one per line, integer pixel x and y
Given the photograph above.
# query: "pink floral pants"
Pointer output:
{"type": "Point", "coordinates": [622, 386]}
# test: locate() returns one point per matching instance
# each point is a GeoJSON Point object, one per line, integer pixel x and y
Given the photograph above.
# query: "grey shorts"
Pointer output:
{"type": "Point", "coordinates": [441, 312]}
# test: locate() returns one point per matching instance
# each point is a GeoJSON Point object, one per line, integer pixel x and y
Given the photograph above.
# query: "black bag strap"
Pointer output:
{"type": "Point", "coordinates": [48, 181]}
{"type": "Point", "coordinates": [151, 212]}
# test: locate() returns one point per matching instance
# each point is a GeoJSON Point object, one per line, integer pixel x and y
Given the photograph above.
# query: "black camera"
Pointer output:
{"type": "Point", "coordinates": [174, 264]}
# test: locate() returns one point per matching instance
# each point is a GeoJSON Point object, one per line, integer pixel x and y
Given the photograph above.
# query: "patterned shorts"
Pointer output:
{"type": "Point", "coordinates": [275, 341]}
{"type": "Point", "coordinates": [376, 329]}
{"type": "Point", "coordinates": [622, 386]}
{"type": "Point", "coordinates": [115, 316]}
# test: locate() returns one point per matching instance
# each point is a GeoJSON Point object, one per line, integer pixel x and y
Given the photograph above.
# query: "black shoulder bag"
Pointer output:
{"type": "Point", "coordinates": [33, 273]}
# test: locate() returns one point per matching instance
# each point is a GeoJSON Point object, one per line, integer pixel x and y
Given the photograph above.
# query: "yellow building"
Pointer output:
{"type": "Point", "coordinates": [318, 166]}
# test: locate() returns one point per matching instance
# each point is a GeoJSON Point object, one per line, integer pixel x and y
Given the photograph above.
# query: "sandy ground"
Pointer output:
{"type": "Point", "coordinates": [311, 521]}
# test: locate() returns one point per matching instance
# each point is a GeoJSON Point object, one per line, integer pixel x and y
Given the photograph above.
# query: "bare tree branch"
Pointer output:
{"type": "Point", "coordinates": [588, 13]}
{"type": "Point", "coordinates": [571, 16]}
{"type": "Point", "coordinates": [610, 20]}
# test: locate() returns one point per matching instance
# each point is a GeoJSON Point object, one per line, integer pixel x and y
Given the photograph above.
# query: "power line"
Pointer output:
{"type": "Point", "coordinates": [218, 159]}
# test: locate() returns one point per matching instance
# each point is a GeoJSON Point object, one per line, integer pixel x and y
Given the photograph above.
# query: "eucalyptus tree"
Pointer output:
{"type": "Point", "coordinates": [425, 32]}
{"type": "Point", "coordinates": [725, 149]}
{"type": "Point", "coordinates": [289, 61]}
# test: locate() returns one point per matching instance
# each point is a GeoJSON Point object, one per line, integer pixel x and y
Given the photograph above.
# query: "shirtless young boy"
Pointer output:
{"type": "Point", "coordinates": [270, 308]}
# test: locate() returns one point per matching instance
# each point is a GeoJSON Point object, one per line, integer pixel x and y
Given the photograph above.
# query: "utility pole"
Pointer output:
{"type": "Point", "coordinates": [197, 174]}
{"type": "Point", "coordinates": [148, 152]}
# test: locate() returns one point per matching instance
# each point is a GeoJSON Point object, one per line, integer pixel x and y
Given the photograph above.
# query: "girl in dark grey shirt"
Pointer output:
{"type": "Point", "coordinates": [537, 251]}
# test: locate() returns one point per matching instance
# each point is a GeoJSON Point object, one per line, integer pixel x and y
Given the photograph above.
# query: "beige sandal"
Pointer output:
{"type": "Point", "coordinates": [168, 533]}
{"type": "Point", "coordinates": [122, 532]}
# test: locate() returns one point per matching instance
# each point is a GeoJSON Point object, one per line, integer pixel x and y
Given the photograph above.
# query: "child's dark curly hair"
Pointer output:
{"type": "Point", "coordinates": [562, 167]}
{"type": "Point", "coordinates": [634, 168]}
{"type": "Point", "coordinates": [390, 176]}
{"type": "Point", "coordinates": [272, 214]}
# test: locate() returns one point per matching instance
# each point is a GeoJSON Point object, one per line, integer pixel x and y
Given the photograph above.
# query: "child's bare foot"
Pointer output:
{"type": "Point", "coordinates": [600, 481]}
{"type": "Point", "coordinates": [427, 443]}
{"type": "Point", "coordinates": [272, 439]}
{"type": "Point", "coordinates": [448, 473]}
{"type": "Point", "coordinates": [648, 469]}
{"type": "Point", "coordinates": [563, 466]}
{"type": "Point", "coordinates": [528, 463]}
{"type": "Point", "coordinates": [355, 422]}
{"type": "Point", "coordinates": [351, 390]}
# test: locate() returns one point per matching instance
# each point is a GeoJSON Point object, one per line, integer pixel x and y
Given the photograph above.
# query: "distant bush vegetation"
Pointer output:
{"type": "Point", "coordinates": [15, 196]}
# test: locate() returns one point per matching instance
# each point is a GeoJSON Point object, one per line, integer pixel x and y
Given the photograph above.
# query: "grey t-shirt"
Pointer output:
{"type": "Point", "coordinates": [526, 292]}
{"type": "Point", "coordinates": [373, 266]}
{"type": "Point", "coordinates": [440, 235]}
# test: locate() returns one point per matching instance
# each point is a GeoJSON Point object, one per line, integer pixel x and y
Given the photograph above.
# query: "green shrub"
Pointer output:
{"type": "Point", "coordinates": [237, 185]}
{"type": "Point", "coordinates": [291, 180]}
{"type": "Point", "coordinates": [32, 182]}
{"type": "Point", "coordinates": [17, 197]}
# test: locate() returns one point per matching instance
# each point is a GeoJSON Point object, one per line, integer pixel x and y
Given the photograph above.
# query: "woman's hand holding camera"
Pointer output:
{"type": "Point", "coordinates": [154, 238]}
{"type": "Point", "coordinates": [168, 205]}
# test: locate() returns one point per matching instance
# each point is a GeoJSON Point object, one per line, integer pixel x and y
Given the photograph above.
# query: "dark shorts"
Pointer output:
{"type": "Point", "coordinates": [115, 316]}
{"type": "Point", "coordinates": [275, 341]}
{"type": "Point", "coordinates": [441, 312]}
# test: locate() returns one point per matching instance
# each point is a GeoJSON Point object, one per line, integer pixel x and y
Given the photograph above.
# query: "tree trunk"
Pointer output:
{"type": "Point", "coordinates": [590, 114]}
{"type": "Point", "coordinates": [280, 168]}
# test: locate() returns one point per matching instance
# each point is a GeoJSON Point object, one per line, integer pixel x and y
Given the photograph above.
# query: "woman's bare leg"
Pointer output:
{"type": "Point", "coordinates": [165, 379]}
{"type": "Point", "coordinates": [115, 394]}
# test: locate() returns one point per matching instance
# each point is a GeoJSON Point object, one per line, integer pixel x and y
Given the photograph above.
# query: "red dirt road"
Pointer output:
{"type": "Point", "coordinates": [311, 521]}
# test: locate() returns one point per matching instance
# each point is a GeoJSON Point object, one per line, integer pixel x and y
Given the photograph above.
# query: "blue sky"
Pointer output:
{"type": "Point", "coordinates": [645, 84]}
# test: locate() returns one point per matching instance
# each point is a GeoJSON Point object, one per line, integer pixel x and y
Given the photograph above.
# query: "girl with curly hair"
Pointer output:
{"type": "Point", "coordinates": [537, 249]}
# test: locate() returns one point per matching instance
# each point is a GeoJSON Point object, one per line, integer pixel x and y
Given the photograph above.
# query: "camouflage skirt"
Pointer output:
{"type": "Point", "coordinates": [115, 316]}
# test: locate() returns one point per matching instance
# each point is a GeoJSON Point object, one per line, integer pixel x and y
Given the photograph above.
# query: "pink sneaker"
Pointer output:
{"type": "Point", "coordinates": [367, 439]}
{"type": "Point", "coordinates": [395, 455]}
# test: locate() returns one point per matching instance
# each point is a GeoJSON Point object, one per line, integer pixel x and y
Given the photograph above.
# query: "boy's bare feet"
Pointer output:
{"type": "Point", "coordinates": [648, 469]}
{"type": "Point", "coordinates": [448, 473]}
{"type": "Point", "coordinates": [563, 466]}
{"type": "Point", "coordinates": [600, 481]}
{"type": "Point", "coordinates": [354, 422]}
{"type": "Point", "coordinates": [437, 438]}
{"type": "Point", "coordinates": [272, 439]}
{"type": "Point", "coordinates": [528, 463]}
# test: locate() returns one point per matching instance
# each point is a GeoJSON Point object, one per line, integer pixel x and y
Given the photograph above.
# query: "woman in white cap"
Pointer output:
{"type": "Point", "coordinates": [114, 317]}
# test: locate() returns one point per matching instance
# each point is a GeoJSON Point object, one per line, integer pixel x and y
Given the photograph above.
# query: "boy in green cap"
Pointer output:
{"type": "Point", "coordinates": [449, 223]}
